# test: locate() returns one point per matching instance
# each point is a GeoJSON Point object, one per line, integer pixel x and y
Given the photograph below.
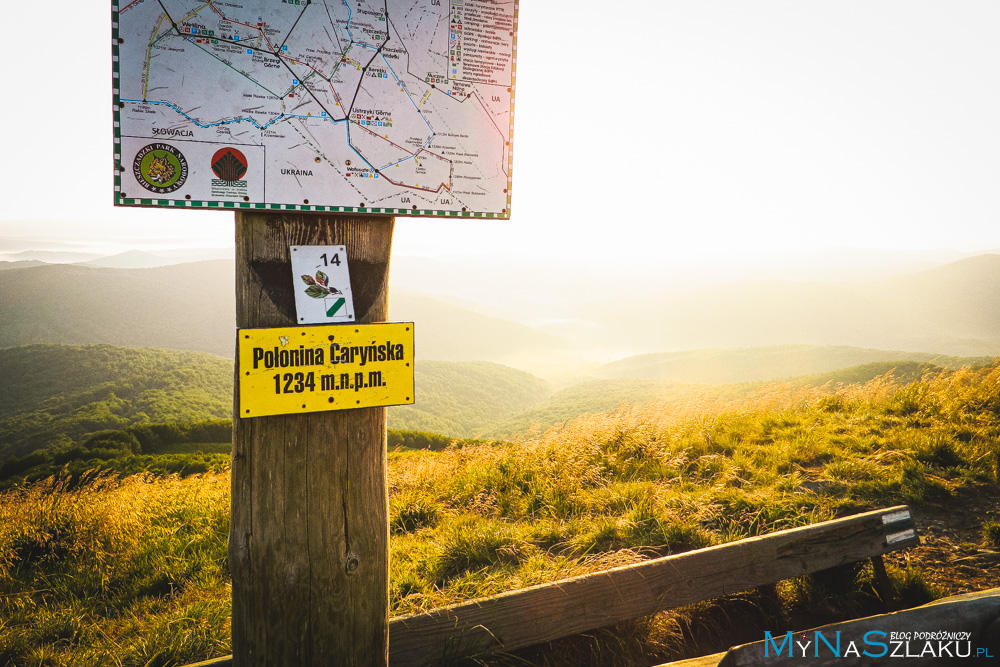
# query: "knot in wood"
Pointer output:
{"type": "Point", "coordinates": [353, 563]}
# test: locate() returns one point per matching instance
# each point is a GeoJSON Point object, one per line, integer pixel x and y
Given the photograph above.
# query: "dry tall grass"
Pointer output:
{"type": "Point", "coordinates": [133, 572]}
{"type": "Point", "coordinates": [118, 572]}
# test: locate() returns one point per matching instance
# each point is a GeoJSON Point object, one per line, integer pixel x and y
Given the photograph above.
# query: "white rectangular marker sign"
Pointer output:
{"type": "Point", "coordinates": [322, 284]}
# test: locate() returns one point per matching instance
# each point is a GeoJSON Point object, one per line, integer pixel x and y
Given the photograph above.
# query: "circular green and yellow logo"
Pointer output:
{"type": "Point", "coordinates": [160, 168]}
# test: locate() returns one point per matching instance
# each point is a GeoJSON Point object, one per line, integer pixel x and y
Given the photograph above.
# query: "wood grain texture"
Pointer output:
{"type": "Point", "coordinates": [309, 535]}
{"type": "Point", "coordinates": [542, 613]}
{"type": "Point", "coordinates": [545, 612]}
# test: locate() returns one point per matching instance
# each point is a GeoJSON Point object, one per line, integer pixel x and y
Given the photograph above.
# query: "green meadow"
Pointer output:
{"type": "Point", "coordinates": [111, 567]}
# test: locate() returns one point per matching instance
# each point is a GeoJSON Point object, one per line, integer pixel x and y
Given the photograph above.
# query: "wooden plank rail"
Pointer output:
{"type": "Point", "coordinates": [545, 612]}
{"type": "Point", "coordinates": [548, 611]}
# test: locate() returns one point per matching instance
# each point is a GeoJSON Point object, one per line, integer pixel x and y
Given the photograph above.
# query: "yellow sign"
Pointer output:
{"type": "Point", "coordinates": [336, 367]}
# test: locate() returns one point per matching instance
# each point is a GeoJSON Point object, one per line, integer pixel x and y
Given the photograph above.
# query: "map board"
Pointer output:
{"type": "Point", "coordinates": [290, 370]}
{"type": "Point", "coordinates": [402, 107]}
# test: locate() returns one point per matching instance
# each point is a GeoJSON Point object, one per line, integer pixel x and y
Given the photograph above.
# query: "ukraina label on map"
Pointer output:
{"type": "Point", "coordinates": [402, 107]}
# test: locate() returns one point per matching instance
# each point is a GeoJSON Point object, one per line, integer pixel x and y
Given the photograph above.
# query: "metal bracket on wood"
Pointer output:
{"type": "Point", "coordinates": [884, 586]}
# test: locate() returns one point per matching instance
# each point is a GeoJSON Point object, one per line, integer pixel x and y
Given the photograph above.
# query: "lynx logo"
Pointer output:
{"type": "Point", "coordinates": [160, 168]}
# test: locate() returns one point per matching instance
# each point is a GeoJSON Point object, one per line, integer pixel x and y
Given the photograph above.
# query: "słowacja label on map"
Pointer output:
{"type": "Point", "coordinates": [402, 107]}
{"type": "Point", "coordinates": [291, 370]}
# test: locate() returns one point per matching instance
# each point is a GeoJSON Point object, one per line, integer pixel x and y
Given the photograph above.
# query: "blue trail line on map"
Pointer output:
{"type": "Point", "coordinates": [350, 16]}
{"type": "Point", "coordinates": [378, 53]}
{"type": "Point", "coordinates": [347, 135]}
{"type": "Point", "coordinates": [400, 82]}
{"type": "Point", "coordinates": [327, 116]}
{"type": "Point", "coordinates": [271, 122]}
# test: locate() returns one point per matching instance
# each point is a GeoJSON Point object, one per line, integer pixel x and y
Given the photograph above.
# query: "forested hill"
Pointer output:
{"type": "Point", "coordinates": [54, 394]}
{"type": "Point", "coordinates": [187, 306]}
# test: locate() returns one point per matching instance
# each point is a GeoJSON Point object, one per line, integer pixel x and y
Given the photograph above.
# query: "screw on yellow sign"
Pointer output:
{"type": "Point", "coordinates": [290, 370]}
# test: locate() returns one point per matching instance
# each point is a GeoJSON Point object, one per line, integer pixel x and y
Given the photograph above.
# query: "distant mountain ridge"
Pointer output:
{"type": "Point", "coordinates": [140, 259]}
{"type": "Point", "coordinates": [951, 310]}
{"type": "Point", "coordinates": [447, 332]}
{"type": "Point", "coordinates": [52, 256]}
{"type": "Point", "coordinates": [130, 259]}
{"type": "Point", "coordinates": [187, 306]}
{"type": "Point", "coordinates": [758, 364]}
{"type": "Point", "coordinates": [20, 264]}
{"type": "Point", "coordinates": [192, 306]}
{"type": "Point", "coordinates": [457, 398]}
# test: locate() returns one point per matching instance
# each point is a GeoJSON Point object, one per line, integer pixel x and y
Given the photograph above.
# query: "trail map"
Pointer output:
{"type": "Point", "coordinates": [404, 107]}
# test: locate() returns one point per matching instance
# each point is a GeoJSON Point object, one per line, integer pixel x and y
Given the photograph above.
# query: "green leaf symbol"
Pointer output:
{"type": "Point", "coordinates": [316, 292]}
{"type": "Point", "coordinates": [322, 278]}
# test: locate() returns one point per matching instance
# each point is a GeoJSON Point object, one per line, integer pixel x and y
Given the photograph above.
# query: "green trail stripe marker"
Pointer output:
{"type": "Point", "coordinates": [337, 305]}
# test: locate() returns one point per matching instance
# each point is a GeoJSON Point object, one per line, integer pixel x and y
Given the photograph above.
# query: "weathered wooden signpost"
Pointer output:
{"type": "Point", "coordinates": [318, 122]}
{"type": "Point", "coordinates": [309, 532]}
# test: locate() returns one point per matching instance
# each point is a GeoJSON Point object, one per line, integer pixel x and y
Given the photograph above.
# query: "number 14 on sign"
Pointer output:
{"type": "Point", "coordinates": [322, 284]}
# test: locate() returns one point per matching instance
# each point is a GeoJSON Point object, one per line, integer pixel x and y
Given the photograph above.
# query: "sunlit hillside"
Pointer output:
{"type": "Point", "coordinates": [58, 396]}
{"type": "Point", "coordinates": [603, 490]}
{"type": "Point", "coordinates": [754, 364]}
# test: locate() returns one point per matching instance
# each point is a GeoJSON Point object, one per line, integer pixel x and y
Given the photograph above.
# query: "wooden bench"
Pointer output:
{"type": "Point", "coordinates": [545, 612]}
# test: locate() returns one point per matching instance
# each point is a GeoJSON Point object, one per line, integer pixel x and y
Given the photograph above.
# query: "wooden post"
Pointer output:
{"type": "Point", "coordinates": [309, 534]}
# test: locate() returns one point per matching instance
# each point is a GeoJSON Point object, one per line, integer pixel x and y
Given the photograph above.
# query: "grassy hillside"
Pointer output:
{"type": "Point", "coordinates": [587, 397]}
{"type": "Point", "coordinates": [757, 364]}
{"type": "Point", "coordinates": [901, 372]}
{"type": "Point", "coordinates": [593, 396]}
{"type": "Point", "coordinates": [158, 449]}
{"type": "Point", "coordinates": [142, 565]}
{"type": "Point", "coordinates": [602, 491]}
{"type": "Point", "coordinates": [54, 395]}
{"type": "Point", "coordinates": [457, 398]}
{"type": "Point", "coordinates": [185, 448]}
{"type": "Point", "coordinates": [57, 396]}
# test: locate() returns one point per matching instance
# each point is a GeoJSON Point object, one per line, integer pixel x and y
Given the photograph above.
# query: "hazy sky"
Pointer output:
{"type": "Point", "coordinates": [654, 129]}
